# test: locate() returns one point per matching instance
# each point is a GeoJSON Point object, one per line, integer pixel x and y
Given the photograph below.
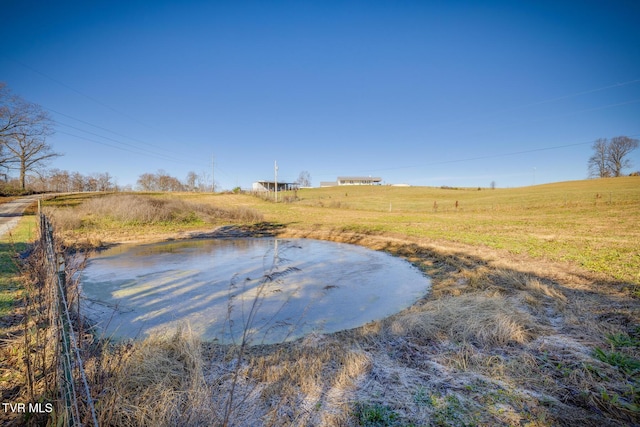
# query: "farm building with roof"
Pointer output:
{"type": "Point", "coordinates": [353, 180]}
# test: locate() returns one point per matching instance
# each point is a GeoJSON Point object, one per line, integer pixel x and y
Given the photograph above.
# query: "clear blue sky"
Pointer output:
{"type": "Point", "coordinates": [426, 93]}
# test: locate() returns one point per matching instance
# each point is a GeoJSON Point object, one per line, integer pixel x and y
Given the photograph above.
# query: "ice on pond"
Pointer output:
{"type": "Point", "coordinates": [275, 289]}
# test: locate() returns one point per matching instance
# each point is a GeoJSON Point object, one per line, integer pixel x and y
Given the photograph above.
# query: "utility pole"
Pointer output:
{"type": "Point", "coordinates": [213, 181]}
{"type": "Point", "coordinates": [275, 182]}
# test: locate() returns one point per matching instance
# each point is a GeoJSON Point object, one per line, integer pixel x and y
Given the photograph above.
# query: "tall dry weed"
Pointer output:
{"type": "Point", "coordinates": [132, 209]}
{"type": "Point", "coordinates": [482, 319]}
{"type": "Point", "coordinates": [159, 382]}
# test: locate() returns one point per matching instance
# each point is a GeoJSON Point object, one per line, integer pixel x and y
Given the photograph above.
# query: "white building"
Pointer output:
{"type": "Point", "coordinates": [353, 180]}
{"type": "Point", "coordinates": [263, 186]}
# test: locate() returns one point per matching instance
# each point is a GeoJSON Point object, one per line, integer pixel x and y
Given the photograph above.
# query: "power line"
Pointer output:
{"type": "Point", "coordinates": [156, 155]}
{"type": "Point", "coordinates": [141, 150]}
{"type": "Point", "coordinates": [470, 159]}
{"type": "Point", "coordinates": [537, 103]}
{"type": "Point", "coordinates": [97, 101]}
{"type": "Point", "coordinates": [106, 129]}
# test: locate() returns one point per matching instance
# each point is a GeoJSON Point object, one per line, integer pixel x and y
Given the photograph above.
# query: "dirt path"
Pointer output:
{"type": "Point", "coordinates": [11, 212]}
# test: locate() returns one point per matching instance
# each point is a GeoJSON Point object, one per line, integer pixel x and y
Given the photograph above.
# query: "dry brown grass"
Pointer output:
{"type": "Point", "coordinates": [157, 382]}
{"type": "Point", "coordinates": [484, 320]}
{"type": "Point", "coordinates": [168, 381]}
{"type": "Point", "coordinates": [131, 209]}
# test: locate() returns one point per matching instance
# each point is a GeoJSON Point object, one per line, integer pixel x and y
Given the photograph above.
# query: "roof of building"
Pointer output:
{"type": "Point", "coordinates": [273, 182]}
{"type": "Point", "coordinates": [359, 178]}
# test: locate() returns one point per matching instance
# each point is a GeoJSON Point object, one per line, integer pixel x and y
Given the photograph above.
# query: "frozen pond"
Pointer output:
{"type": "Point", "coordinates": [276, 289]}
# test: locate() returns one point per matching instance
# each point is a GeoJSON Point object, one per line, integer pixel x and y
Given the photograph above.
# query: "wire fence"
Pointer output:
{"type": "Point", "coordinates": [58, 304]}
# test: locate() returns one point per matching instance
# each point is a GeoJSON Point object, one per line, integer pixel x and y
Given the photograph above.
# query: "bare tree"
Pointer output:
{"type": "Point", "coordinates": [24, 127]}
{"type": "Point", "coordinates": [159, 181]}
{"type": "Point", "coordinates": [78, 182]}
{"type": "Point", "coordinates": [304, 179]}
{"type": "Point", "coordinates": [619, 148]}
{"type": "Point", "coordinates": [58, 181]}
{"type": "Point", "coordinates": [610, 156]}
{"type": "Point", "coordinates": [167, 182]}
{"type": "Point", "coordinates": [598, 161]}
{"type": "Point", "coordinates": [192, 180]}
{"type": "Point", "coordinates": [104, 181]}
{"type": "Point", "coordinates": [147, 182]}
{"type": "Point", "coordinates": [28, 153]}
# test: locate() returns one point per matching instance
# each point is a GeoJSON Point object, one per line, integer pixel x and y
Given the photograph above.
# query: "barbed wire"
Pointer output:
{"type": "Point", "coordinates": [69, 354]}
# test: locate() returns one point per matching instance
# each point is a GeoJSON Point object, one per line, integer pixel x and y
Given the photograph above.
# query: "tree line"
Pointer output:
{"type": "Point", "coordinates": [162, 181]}
{"type": "Point", "coordinates": [62, 181]}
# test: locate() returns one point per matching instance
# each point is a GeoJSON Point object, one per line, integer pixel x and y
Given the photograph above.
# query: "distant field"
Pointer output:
{"type": "Point", "coordinates": [594, 223]}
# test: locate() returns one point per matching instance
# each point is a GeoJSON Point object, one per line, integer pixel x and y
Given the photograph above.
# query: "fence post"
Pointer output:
{"type": "Point", "coordinates": [62, 276]}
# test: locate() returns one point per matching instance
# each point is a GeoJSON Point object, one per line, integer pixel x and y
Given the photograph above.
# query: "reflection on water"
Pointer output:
{"type": "Point", "coordinates": [276, 289]}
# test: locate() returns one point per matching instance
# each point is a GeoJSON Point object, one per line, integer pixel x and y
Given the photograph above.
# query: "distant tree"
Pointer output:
{"type": "Point", "coordinates": [304, 179]}
{"type": "Point", "coordinates": [91, 184]}
{"type": "Point", "coordinates": [493, 185]}
{"type": "Point", "coordinates": [160, 181]}
{"type": "Point", "coordinates": [78, 182]}
{"type": "Point", "coordinates": [146, 182]}
{"type": "Point", "coordinates": [598, 166]}
{"type": "Point", "coordinates": [57, 180]}
{"type": "Point", "coordinates": [103, 181]}
{"type": "Point", "coordinates": [610, 156]}
{"type": "Point", "coordinates": [203, 182]}
{"type": "Point", "coordinates": [192, 181]}
{"type": "Point", "coordinates": [619, 149]}
{"type": "Point", "coordinates": [167, 182]}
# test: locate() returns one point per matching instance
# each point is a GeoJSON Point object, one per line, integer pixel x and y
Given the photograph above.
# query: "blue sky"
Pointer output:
{"type": "Point", "coordinates": [425, 93]}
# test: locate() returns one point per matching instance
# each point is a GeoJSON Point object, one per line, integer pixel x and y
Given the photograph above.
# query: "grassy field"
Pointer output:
{"type": "Point", "coordinates": [594, 224]}
{"type": "Point", "coordinates": [532, 318]}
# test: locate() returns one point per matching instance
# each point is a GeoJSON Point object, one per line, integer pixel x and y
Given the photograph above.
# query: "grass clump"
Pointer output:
{"type": "Point", "coordinates": [159, 382]}
{"type": "Point", "coordinates": [373, 415]}
{"type": "Point", "coordinates": [484, 320]}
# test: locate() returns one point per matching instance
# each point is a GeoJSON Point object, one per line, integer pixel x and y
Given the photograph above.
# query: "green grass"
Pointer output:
{"type": "Point", "coordinates": [10, 245]}
{"type": "Point", "coordinates": [592, 223]}
{"type": "Point", "coordinates": [370, 415]}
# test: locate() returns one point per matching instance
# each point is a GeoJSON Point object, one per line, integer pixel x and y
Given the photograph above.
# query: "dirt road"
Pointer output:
{"type": "Point", "coordinates": [11, 212]}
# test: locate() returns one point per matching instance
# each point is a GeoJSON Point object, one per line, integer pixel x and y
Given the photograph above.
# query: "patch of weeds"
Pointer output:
{"type": "Point", "coordinates": [421, 398]}
{"type": "Point", "coordinates": [448, 411]}
{"type": "Point", "coordinates": [374, 415]}
{"type": "Point", "coordinates": [629, 400]}
{"type": "Point", "coordinates": [615, 400]}
{"type": "Point", "coordinates": [622, 340]}
{"type": "Point", "coordinates": [630, 366]}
